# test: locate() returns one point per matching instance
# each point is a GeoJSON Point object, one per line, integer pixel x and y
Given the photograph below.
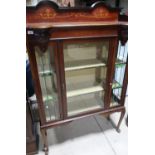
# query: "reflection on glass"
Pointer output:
{"type": "Point", "coordinates": [47, 76]}
{"type": "Point", "coordinates": [120, 65]}
{"type": "Point", "coordinates": [84, 103]}
{"type": "Point", "coordinates": [85, 72]}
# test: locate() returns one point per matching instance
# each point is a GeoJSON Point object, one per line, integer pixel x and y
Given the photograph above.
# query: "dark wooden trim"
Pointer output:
{"type": "Point", "coordinates": [63, 82]}
{"type": "Point", "coordinates": [123, 34]}
{"type": "Point", "coordinates": [125, 85]}
{"type": "Point", "coordinates": [113, 46]}
{"type": "Point", "coordinates": [58, 75]}
{"type": "Point", "coordinates": [117, 3]}
{"type": "Point", "coordinates": [84, 32]}
{"type": "Point", "coordinates": [105, 112]}
{"type": "Point", "coordinates": [39, 37]}
{"type": "Point", "coordinates": [34, 70]}
{"type": "Point", "coordinates": [47, 12]}
{"type": "Point", "coordinates": [56, 25]}
{"type": "Point", "coordinates": [123, 18]}
{"type": "Point", "coordinates": [88, 39]}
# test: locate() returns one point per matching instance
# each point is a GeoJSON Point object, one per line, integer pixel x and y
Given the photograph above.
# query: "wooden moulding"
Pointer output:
{"type": "Point", "coordinates": [87, 114]}
{"type": "Point", "coordinates": [48, 11]}
{"type": "Point", "coordinates": [84, 32]}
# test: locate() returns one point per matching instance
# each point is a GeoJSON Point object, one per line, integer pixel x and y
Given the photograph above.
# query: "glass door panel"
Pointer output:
{"type": "Point", "coordinates": [119, 73]}
{"type": "Point", "coordinates": [48, 82]}
{"type": "Point", "coordinates": [85, 73]}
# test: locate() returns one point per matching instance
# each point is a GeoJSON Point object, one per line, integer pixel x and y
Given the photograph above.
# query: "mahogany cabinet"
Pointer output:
{"type": "Point", "coordinates": [75, 60]}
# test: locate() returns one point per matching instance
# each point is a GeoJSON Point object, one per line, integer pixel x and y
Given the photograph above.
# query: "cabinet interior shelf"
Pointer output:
{"type": "Point", "coordinates": [82, 108]}
{"type": "Point", "coordinates": [83, 64]}
{"type": "Point", "coordinates": [84, 91]}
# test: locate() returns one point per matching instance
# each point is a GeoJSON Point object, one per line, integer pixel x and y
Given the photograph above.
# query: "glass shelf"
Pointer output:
{"type": "Point", "coordinates": [49, 98]}
{"type": "Point", "coordinates": [120, 65]}
{"type": "Point", "coordinates": [119, 62]}
{"type": "Point", "coordinates": [83, 64]}
{"type": "Point", "coordinates": [46, 73]}
{"type": "Point", "coordinates": [116, 85]}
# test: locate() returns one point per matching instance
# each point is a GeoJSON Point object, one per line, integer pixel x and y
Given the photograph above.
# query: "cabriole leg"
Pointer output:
{"type": "Point", "coordinates": [120, 120]}
{"type": "Point", "coordinates": [44, 136]}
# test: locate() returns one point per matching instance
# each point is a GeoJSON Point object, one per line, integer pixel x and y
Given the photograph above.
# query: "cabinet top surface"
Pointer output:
{"type": "Point", "coordinates": [48, 14]}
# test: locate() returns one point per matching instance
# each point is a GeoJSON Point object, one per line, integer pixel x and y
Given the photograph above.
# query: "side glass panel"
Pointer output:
{"type": "Point", "coordinates": [85, 74]}
{"type": "Point", "coordinates": [48, 82]}
{"type": "Point", "coordinates": [119, 73]}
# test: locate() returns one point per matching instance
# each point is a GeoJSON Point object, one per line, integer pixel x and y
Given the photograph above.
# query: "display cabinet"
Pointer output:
{"type": "Point", "coordinates": [75, 61]}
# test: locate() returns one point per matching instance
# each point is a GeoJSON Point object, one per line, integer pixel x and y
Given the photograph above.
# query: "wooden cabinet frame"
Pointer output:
{"type": "Point", "coordinates": [47, 26]}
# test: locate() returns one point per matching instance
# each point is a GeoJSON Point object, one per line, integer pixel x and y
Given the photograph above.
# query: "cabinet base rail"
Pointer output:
{"type": "Point", "coordinates": [104, 112]}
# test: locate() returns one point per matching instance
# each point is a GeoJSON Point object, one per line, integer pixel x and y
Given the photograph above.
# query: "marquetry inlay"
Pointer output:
{"type": "Point", "coordinates": [48, 14]}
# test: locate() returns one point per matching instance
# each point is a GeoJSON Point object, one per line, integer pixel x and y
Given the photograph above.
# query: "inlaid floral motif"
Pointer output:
{"type": "Point", "coordinates": [49, 14]}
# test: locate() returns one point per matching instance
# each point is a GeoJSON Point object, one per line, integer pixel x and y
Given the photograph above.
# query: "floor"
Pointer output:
{"type": "Point", "coordinates": [89, 136]}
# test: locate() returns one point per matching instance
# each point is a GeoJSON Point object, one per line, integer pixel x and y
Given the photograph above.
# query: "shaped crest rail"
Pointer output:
{"type": "Point", "coordinates": [48, 11]}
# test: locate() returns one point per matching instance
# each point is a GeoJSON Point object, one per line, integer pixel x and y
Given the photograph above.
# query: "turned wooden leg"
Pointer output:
{"type": "Point", "coordinates": [120, 120]}
{"type": "Point", "coordinates": [44, 135]}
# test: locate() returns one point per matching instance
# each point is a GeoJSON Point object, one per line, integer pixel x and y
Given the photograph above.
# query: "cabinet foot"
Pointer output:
{"type": "Point", "coordinates": [44, 136]}
{"type": "Point", "coordinates": [118, 130]}
{"type": "Point", "coordinates": [120, 120]}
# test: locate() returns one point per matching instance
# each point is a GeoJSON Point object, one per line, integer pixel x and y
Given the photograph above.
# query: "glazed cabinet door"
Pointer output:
{"type": "Point", "coordinates": [47, 65]}
{"type": "Point", "coordinates": [119, 85]}
{"type": "Point", "coordinates": [85, 75]}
